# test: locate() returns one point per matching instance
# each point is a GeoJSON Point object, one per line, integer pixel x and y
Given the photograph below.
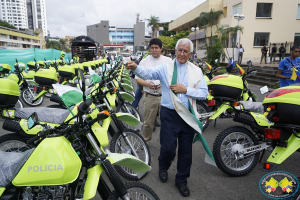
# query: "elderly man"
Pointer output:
{"type": "Point", "coordinates": [181, 83]}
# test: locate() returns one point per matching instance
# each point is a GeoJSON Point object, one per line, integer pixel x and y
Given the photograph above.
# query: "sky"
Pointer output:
{"type": "Point", "coordinates": [70, 17]}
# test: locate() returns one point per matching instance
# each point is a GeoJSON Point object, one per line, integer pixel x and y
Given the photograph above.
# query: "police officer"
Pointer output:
{"type": "Point", "coordinates": [76, 58]}
{"type": "Point", "coordinates": [273, 53]}
{"type": "Point", "coordinates": [282, 51]}
{"type": "Point", "coordinates": [264, 51]}
{"type": "Point", "coordinates": [62, 57]}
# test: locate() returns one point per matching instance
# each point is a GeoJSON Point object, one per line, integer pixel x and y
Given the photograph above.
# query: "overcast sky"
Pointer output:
{"type": "Point", "coordinates": [70, 17]}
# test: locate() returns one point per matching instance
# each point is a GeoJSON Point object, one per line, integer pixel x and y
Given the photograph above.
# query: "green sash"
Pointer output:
{"type": "Point", "coordinates": [198, 136]}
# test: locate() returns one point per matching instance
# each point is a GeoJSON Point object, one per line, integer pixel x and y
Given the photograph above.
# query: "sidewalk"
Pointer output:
{"type": "Point", "coordinates": [261, 65]}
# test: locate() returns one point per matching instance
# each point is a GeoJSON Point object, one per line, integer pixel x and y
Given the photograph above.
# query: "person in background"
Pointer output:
{"type": "Point", "coordinates": [231, 64]}
{"type": "Point", "coordinates": [282, 51]}
{"type": "Point", "coordinates": [273, 53]}
{"type": "Point", "coordinates": [76, 58]}
{"type": "Point", "coordinates": [170, 55]}
{"type": "Point", "coordinates": [108, 58]}
{"type": "Point", "coordinates": [163, 52]}
{"type": "Point", "coordinates": [264, 51]}
{"type": "Point", "coordinates": [285, 68]}
{"type": "Point", "coordinates": [241, 52]}
{"type": "Point", "coordinates": [176, 92]}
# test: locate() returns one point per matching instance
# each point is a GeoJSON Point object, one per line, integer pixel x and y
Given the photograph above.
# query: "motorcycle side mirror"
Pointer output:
{"type": "Point", "coordinates": [264, 90]}
{"type": "Point", "coordinates": [33, 120]}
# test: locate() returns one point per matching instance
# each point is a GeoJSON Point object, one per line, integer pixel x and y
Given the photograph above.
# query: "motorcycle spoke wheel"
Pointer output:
{"type": "Point", "coordinates": [13, 143]}
{"type": "Point", "coordinates": [27, 97]}
{"type": "Point", "coordinates": [19, 104]}
{"type": "Point", "coordinates": [136, 191]}
{"type": "Point", "coordinates": [226, 151]}
{"type": "Point", "coordinates": [140, 147]}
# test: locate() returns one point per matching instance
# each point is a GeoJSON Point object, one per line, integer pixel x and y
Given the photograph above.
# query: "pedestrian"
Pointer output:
{"type": "Point", "coordinates": [108, 58]}
{"type": "Point", "coordinates": [181, 83]}
{"type": "Point", "coordinates": [112, 57]}
{"type": "Point", "coordinates": [162, 51]}
{"type": "Point", "coordinates": [231, 64]}
{"type": "Point", "coordinates": [152, 91]}
{"type": "Point", "coordinates": [285, 68]}
{"type": "Point", "coordinates": [264, 51]}
{"type": "Point", "coordinates": [273, 53]}
{"type": "Point", "coordinates": [170, 55]}
{"type": "Point", "coordinates": [282, 51]}
{"type": "Point", "coordinates": [241, 52]}
{"type": "Point", "coordinates": [195, 57]}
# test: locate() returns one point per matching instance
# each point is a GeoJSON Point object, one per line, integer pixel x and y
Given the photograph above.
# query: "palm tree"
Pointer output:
{"type": "Point", "coordinates": [153, 22]}
{"type": "Point", "coordinates": [209, 19]}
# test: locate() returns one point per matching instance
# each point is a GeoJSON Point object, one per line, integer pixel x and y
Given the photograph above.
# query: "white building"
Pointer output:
{"type": "Point", "coordinates": [14, 12]}
{"type": "Point", "coordinates": [25, 14]}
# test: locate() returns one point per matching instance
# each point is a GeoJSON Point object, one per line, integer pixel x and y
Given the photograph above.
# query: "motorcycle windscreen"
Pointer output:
{"type": "Point", "coordinates": [53, 162]}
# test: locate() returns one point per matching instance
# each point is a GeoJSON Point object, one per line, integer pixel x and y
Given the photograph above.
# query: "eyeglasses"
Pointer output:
{"type": "Point", "coordinates": [184, 52]}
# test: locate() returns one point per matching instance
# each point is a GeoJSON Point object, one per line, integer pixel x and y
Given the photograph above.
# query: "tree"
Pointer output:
{"type": "Point", "coordinates": [181, 34]}
{"type": "Point", "coordinates": [6, 24]}
{"type": "Point", "coordinates": [209, 19]}
{"type": "Point", "coordinates": [153, 22]}
{"type": "Point", "coordinates": [166, 31]}
{"type": "Point", "coordinates": [166, 41]}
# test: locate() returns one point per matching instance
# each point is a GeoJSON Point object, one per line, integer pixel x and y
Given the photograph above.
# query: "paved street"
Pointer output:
{"type": "Point", "coordinates": [206, 181]}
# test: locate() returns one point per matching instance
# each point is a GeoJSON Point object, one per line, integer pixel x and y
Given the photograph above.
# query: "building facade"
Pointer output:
{"type": "Point", "coordinates": [14, 39]}
{"type": "Point", "coordinates": [14, 12]}
{"type": "Point", "coordinates": [265, 22]}
{"type": "Point", "coordinates": [25, 14]}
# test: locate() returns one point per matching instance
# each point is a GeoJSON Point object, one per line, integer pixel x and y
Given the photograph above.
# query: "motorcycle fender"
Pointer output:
{"type": "Point", "coordinates": [220, 110]}
{"type": "Point", "coordinates": [2, 189]}
{"type": "Point", "coordinates": [261, 120]}
{"type": "Point", "coordinates": [92, 181]}
{"type": "Point", "coordinates": [129, 119]}
{"type": "Point", "coordinates": [8, 113]}
{"type": "Point", "coordinates": [245, 96]}
{"type": "Point", "coordinates": [127, 87]}
{"type": "Point", "coordinates": [280, 154]}
{"type": "Point", "coordinates": [130, 161]}
{"type": "Point", "coordinates": [127, 96]}
{"type": "Point", "coordinates": [42, 93]}
{"type": "Point", "coordinates": [126, 81]}
{"type": "Point", "coordinates": [34, 130]}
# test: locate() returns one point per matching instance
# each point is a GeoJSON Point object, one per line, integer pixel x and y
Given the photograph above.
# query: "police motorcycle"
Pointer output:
{"type": "Point", "coordinates": [4, 72]}
{"type": "Point", "coordinates": [55, 169]}
{"type": "Point", "coordinates": [225, 90]}
{"type": "Point", "coordinates": [123, 139]}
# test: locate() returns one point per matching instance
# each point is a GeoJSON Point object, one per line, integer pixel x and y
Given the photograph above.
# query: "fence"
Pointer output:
{"type": "Point", "coordinates": [9, 56]}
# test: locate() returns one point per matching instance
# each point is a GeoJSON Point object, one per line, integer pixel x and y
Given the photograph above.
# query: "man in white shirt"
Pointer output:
{"type": "Point", "coordinates": [241, 52]}
{"type": "Point", "coordinates": [151, 88]}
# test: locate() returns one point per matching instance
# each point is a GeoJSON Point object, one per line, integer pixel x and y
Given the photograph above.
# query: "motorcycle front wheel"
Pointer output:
{"type": "Point", "coordinates": [19, 104]}
{"type": "Point", "coordinates": [136, 191]}
{"type": "Point", "coordinates": [137, 145]}
{"type": "Point", "coordinates": [203, 108]}
{"type": "Point", "coordinates": [226, 148]}
{"type": "Point", "coordinates": [28, 95]}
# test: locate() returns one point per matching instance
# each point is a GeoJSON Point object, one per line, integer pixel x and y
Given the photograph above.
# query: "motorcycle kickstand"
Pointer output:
{"type": "Point", "coordinates": [263, 152]}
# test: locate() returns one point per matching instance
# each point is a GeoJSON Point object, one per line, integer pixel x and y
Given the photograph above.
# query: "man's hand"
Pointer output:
{"type": "Point", "coordinates": [151, 85]}
{"type": "Point", "coordinates": [131, 65]}
{"type": "Point", "coordinates": [179, 88]}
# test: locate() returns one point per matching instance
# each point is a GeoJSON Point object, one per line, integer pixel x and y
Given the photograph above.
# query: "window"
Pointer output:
{"type": "Point", "coordinates": [297, 39]}
{"type": "Point", "coordinates": [298, 13]}
{"type": "Point", "coordinates": [236, 9]}
{"type": "Point", "coordinates": [260, 39]}
{"type": "Point", "coordinates": [264, 10]}
{"type": "Point", "coordinates": [232, 40]}
{"type": "Point", "coordinates": [202, 43]}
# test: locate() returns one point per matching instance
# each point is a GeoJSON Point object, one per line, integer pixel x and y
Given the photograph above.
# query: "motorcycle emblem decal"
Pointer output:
{"type": "Point", "coordinates": [45, 168]}
{"type": "Point", "coordinates": [279, 185]}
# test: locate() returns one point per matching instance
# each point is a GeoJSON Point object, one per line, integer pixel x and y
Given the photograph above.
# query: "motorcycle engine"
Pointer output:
{"type": "Point", "coordinates": [46, 193]}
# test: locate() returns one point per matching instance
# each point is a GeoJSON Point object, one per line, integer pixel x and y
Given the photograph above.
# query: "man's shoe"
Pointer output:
{"type": "Point", "coordinates": [156, 123]}
{"type": "Point", "coordinates": [183, 189]}
{"type": "Point", "coordinates": [163, 175]}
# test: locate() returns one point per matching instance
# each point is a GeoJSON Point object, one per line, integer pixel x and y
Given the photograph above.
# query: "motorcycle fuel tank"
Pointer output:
{"type": "Point", "coordinates": [53, 162]}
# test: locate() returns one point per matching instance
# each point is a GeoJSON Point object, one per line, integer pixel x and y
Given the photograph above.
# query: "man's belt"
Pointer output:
{"type": "Point", "coordinates": [156, 95]}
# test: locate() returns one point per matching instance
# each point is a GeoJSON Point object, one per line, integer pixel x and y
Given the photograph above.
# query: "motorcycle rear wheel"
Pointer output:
{"type": "Point", "coordinates": [27, 97]}
{"type": "Point", "coordinates": [226, 145]}
{"type": "Point", "coordinates": [119, 145]}
{"type": "Point", "coordinates": [136, 190]}
{"type": "Point", "coordinates": [13, 142]}
{"type": "Point", "coordinates": [203, 108]}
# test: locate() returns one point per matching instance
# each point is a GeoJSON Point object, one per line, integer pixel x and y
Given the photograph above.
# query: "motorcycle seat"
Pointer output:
{"type": "Point", "coordinates": [253, 106]}
{"type": "Point", "coordinates": [10, 165]}
{"type": "Point", "coordinates": [50, 115]}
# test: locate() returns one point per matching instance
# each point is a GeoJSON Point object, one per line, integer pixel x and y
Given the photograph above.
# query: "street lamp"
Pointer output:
{"type": "Point", "coordinates": [238, 17]}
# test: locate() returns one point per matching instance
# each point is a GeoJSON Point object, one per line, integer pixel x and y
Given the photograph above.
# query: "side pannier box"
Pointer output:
{"type": "Point", "coordinates": [5, 68]}
{"type": "Point", "coordinates": [229, 86]}
{"type": "Point", "coordinates": [45, 77]}
{"type": "Point", "coordinates": [9, 93]}
{"type": "Point", "coordinates": [66, 71]}
{"type": "Point", "coordinates": [283, 105]}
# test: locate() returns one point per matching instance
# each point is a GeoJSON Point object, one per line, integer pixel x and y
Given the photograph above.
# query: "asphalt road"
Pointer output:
{"type": "Point", "coordinates": [207, 181]}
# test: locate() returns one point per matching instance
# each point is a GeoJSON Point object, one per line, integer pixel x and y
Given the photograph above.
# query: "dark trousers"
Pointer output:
{"type": "Point", "coordinates": [138, 96]}
{"type": "Point", "coordinates": [174, 129]}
